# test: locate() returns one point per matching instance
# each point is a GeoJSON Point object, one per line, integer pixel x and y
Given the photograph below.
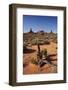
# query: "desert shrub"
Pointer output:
{"type": "Point", "coordinates": [34, 61]}
{"type": "Point", "coordinates": [39, 41]}
{"type": "Point", "coordinates": [44, 52]}
{"type": "Point", "coordinates": [35, 41]}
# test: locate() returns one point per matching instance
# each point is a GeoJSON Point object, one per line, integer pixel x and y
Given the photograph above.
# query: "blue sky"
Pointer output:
{"type": "Point", "coordinates": [38, 23]}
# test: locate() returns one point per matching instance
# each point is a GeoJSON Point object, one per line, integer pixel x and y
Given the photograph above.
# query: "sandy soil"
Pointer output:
{"type": "Point", "coordinates": [30, 68]}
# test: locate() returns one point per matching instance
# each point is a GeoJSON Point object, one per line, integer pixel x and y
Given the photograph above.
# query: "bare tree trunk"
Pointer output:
{"type": "Point", "coordinates": [38, 49]}
{"type": "Point", "coordinates": [39, 56]}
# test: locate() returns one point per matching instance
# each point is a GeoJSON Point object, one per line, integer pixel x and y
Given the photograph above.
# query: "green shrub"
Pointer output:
{"type": "Point", "coordinates": [34, 61]}
{"type": "Point", "coordinates": [33, 42]}
{"type": "Point", "coordinates": [36, 41]}
{"type": "Point", "coordinates": [44, 52]}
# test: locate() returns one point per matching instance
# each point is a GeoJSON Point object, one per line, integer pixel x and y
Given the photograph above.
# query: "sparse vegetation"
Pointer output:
{"type": "Point", "coordinates": [44, 52]}
{"type": "Point", "coordinates": [40, 41]}
{"type": "Point", "coordinates": [39, 46]}
{"type": "Point", "coordinates": [39, 37]}
{"type": "Point", "coordinates": [34, 61]}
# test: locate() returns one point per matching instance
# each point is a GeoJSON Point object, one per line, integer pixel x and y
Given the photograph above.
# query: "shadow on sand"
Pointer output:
{"type": "Point", "coordinates": [51, 55]}
{"type": "Point", "coordinates": [29, 50]}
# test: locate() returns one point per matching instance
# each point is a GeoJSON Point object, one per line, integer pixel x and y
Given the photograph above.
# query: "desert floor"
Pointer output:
{"type": "Point", "coordinates": [46, 68]}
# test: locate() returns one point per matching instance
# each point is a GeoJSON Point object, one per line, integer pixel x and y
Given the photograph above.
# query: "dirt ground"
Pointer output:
{"type": "Point", "coordinates": [30, 68]}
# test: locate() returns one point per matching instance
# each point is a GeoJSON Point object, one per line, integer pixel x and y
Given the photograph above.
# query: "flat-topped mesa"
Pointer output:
{"type": "Point", "coordinates": [41, 32]}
